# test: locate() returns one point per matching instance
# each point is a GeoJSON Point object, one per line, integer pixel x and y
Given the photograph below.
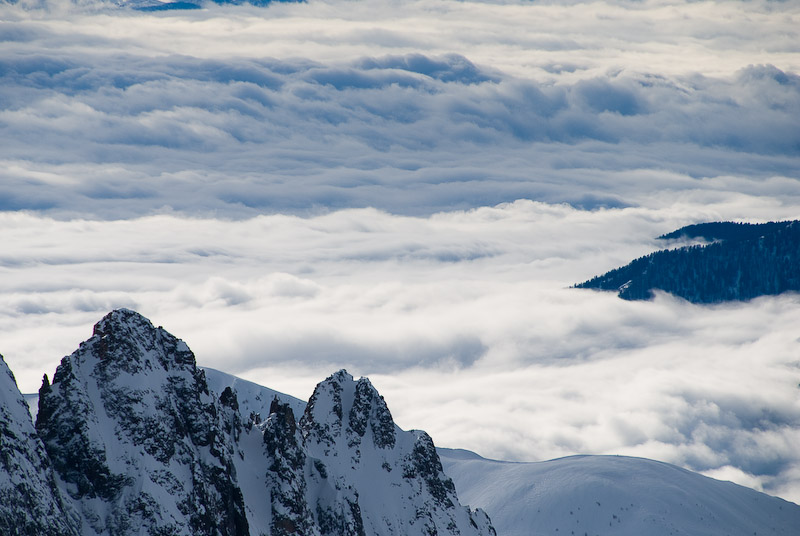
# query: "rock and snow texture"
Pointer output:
{"type": "Point", "coordinates": [30, 502]}
{"type": "Point", "coordinates": [345, 469]}
{"type": "Point", "coordinates": [613, 495]}
{"type": "Point", "coordinates": [136, 436]}
{"type": "Point", "coordinates": [390, 481]}
{"type": "Point", "coordinates": [534, 499]}
{"type": "Point", "coordinates": [133, 438]}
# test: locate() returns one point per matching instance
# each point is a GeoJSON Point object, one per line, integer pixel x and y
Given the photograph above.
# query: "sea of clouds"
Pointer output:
{"type": "Point", "coordinates": [408, 190]}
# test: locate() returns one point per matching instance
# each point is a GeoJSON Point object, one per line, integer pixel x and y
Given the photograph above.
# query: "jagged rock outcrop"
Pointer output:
{"type": "Point", "coordinates": [130, 440]}
{"type": "Point", "coordinates": [30, 501]}
{"type": "Point", "coordinates": [393, 477]}
{"type": "Point", "coordinates": [346, 470]}
{"type": "Point", "coordinates": [286, 475]}
{"type": "Point", "coordinates": [134, 433]}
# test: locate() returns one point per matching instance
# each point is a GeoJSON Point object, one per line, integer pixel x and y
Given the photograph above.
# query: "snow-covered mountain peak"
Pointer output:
{"type": "Point", "coordinates": [323, 418]}
{"type": "Point", "coordinates": [132, 342]}
{"type": "Point", "coordinates": [133, 438]}
{"type": "Point", "coordinates": [342, 405]}
{"type": "Point", "coordinates": [136, 436]}
{"type": "Point", "coordinates": [120, 317]}
{"type": "Point", "coordinates": [379, 468]}
{"type": "Point", "coordinates": [125, 325]}
{"type": "Point", "coordinates": [369, 413]}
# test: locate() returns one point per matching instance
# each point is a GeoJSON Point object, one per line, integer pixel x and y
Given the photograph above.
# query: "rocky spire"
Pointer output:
{"type": "Point", "coordinates": [394, 478]}
{"type": "Point", "coordinates": [30, 502]}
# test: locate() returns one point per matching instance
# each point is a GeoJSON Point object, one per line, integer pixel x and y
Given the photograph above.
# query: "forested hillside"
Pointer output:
{"type": "Point", "coordinates": [738, 261]}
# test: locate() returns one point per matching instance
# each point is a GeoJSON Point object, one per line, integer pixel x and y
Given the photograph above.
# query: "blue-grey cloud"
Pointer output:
{"type": "Point", "coordinates": [412, 133]}
{"type": "Point", "coordinates": [451, 68]}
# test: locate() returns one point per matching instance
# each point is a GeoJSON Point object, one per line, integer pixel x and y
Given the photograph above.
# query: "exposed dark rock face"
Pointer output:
{"type": "Point", "coordinates": [30, 502]}
{"type": "Point", "coordinates": [424, 464]}
{"type": "Point", "coordinates": [286, 475]}
{"type": "Point", "coordinates": [743, 261]}
{"type": "Point", "coordinates": [370, 408]}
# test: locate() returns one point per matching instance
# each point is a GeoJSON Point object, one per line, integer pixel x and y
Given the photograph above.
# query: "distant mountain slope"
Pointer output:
{"type": "Point", "coordinates": [741, 262]}
{"type": "Point", "coordinates": [727, 230]}
{"type": "Point", "coordinates": [613, 495]}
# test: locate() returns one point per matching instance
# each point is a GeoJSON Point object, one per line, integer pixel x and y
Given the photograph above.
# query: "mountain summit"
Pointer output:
{"type": "Point", "coordinates": [136, 436]}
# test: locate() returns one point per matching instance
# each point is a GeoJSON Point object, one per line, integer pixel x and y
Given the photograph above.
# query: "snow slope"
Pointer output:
{"type": "Point", "coordinates": [613, 495]}
{"type": "Point", "coordinates": [253, 398]}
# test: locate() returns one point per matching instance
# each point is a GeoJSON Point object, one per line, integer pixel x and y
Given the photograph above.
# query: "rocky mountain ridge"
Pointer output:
{"type": "Point", "coordinates": [139, 440]}
{"type": "Point", "coordinates": [130, 439]}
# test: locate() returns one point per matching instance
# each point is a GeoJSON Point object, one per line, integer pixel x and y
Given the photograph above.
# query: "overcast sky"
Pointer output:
{"type": "Point", "coordinates": [407, 190]}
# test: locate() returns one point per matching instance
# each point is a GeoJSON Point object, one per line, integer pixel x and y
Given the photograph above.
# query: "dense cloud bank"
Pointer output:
{"type": "Point", "coordinates": [408, 190]}
{"type": "Point", "coordinates": [149, 117]}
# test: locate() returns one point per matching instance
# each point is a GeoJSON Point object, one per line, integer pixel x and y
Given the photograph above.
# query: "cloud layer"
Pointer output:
{"type": "Point", "coordinates": [159, 120]}
{"type": "Point", "coordinates": [408, 190]}
{"type": "Point", "coordinates": [463, 320]}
